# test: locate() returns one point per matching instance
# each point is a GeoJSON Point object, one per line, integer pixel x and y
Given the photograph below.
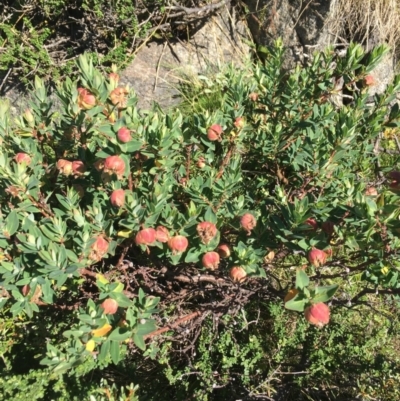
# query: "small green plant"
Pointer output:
{"type": "Point", "coordinates": [37, 38]}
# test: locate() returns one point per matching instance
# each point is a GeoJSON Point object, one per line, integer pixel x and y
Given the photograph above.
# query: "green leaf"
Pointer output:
{"type": "Point", "coordinates": [139, 341]}
{"type": "Point", "coordinates": [3, 301]}
{"type": "Point", "coordinates": [303, 243]}
{"type": "Point", "coordinates": [117, 287]}
{"type": "Point", "coordinates": [120, 334]}
{"type": "Point", "coordinates": [325, 293]}
{"type": "Point", "coordinates": [141, 296]}
{"type": "Point", "coordinates": [63, 367]}
{"type": "Point", "coordinates": [73, 333]}
{"type": "Point", "coordinates": [210, 216]}
{"type": "Point", "coordinates": [115, 352]}
{"type": "Point", "coordinates": [12, 223]}
{"type": "Point", "coordinates": [122, 299]}
{"type": "Point", "coordinates": [104, 350]}
{"type": "Point", "coordinates": [302, 279]}
{"type": "Point", "coordinates": [132, 146]}
{"type": "Point", "coordinates": [193, 255]}
{"type": "Point", "coordinates": [298, 303]}
{"type": "Point", "coordinates": [146, 328]}
{"type": "Point", "coordinates": [371, 206]}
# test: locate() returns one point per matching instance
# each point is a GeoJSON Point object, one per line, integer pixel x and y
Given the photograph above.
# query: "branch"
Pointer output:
{"type": "Point", "coordinates": [174, 325]}
{"type": "Point", "coordinates": [201, 278]}
{"type": "Point", "coordinates": [365, 291]}
{"type": "Point", "coordinates": [198, 10]}
{"type": "Point", "coordinates": [225, 162]}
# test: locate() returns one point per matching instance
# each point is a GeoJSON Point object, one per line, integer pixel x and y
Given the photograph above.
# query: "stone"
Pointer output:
{"type": "Point", "coordinates": [300, 25]}
{"type": "Point", "coordinates": [159, 67]}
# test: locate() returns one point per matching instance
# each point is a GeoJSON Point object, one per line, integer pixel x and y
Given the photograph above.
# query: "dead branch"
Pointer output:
{"type": "Point", "coordinates": [174, 325]}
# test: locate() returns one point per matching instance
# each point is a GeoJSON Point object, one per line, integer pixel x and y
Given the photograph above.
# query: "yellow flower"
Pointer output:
{"type": "Point", "coordinates": [102, 331]}
{"type": "Point", "coordinates": [90, 345]}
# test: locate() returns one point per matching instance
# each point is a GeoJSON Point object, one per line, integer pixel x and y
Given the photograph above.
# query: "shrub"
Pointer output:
{"type": "Point", "coordinates": [68, 254]}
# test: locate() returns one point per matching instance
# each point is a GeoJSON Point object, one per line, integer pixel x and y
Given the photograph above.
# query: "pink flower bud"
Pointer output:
{"type": "Point", "coordinates": [369, 80]}
{"type": "Point", "coordinates": [224, 251]}
{"type": "Point", "coordinates": [201, 162]}
{"type": "Point", "coordinates": [178, 244]}
{"type": "Point", "coordinates": [210, 260]}
{"type": "Point", "coordinates": [317, 314]}
{"type": "Point", "coordinates": [395, 184]}
{"type": "Point", "coordinates": [99, 248]}
{"type": "Point", "coordinates": [238, 274]}
{"type": "Point", "coordinates": [317, 257]}
{"type": "Point", "coordinates": [124, 135]}
{"type": "Point", "coordinates": [214, 132]}
{"type": "Point", "coordinates": [114, 165]}
{"type": "Point", "coordinates": [78, 167]}
{"type": "Point", "coordinates": [248, 222]}
{"type": "Point", "coordinates": [22, 158]}
{"type": "Point", "coordinates": [25, 290]}
{"type": "Point", "coordinates": [117, 198]}
{"type": "Point", "coordinates": [99, 165]}
{"type": "Point", "coordinates": [118, 97]}
{"type": "Point", "coordinates": [253, 96]}
{"type": "Point", "coordinates": [147, 236]}
{"type": "Point", "coordinates": [371, 191]}
{"type": "Point", "coordinates": [239, 122]}
{"type": "Point", "coordinates": [312, 223]}
{"type": "Point", "coordinates": [328, 227]}
{"type": "Point", "coordinates": [64, 167]}
{"type": "Point", "coordinates": [86, 100]}
{"type": "Point", "coordinates": [114, 79]}
{"type": "Point", "coordinates": [162, 234]}
{"type": "Point", "coordinates": [101, 244]}
{"type": "Point", "coordinates": [206, 231]}
{"type": "Point", "coordinates": [29, 117]}
{"type": "Point", "coordinates": [110, 306]}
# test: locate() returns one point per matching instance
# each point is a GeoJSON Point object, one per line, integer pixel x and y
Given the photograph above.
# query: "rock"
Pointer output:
{"type": "Point", "coordinates": [158, 67]}
{"type": "Point", "coordinates": [297, 23]}
{"type": "Point", "coordinates": [383, 74]}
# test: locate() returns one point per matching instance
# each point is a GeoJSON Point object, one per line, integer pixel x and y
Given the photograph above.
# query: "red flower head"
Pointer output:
{"type": "Point", "coordinates": [147, 236]}
{"type": "Point", "coordinates": [206, 231]}
{"type": "Point", "coordinates": [86, 99]}
{"type": "Point", "coordinates": [22, 158]}
{"type": "Point", "coordinates": [178, 244]}
{"type": "Point", "coordinates": [248, 222]}
{"type": "Point", "coordinates": [317, 257]}
{"type": "Point", "coordinates": [210, 260]}
{"type": "Point", "coordinates": [214, 132]}
{"type": "Point", "coordinates": [117, 198]}
{"type": "Point", "coordinates": [317, 314]}
{"type": "Point", "coordinates": [124, 135]}
{"type": "Point", "coordinates": [114, 165]}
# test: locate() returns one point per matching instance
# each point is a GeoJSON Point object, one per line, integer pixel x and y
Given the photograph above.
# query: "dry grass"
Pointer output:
{"type": "Point", "coordinates": [366, 21]}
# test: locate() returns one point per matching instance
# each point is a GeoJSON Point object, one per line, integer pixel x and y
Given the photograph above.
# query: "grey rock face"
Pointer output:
{"type": "Point", "coordinates": [298, 23]}
{"type": "Point", "coordinates": [157, 68]}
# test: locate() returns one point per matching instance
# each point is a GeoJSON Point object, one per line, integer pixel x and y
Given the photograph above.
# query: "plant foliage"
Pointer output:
{"type": "Point", "coordinates": [107, 214]}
